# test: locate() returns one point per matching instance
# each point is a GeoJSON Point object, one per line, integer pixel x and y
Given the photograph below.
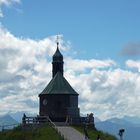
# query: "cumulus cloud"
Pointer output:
{"type": "Point", "coordinates": [133, 64]}
{"type": "Point", "coordinates": [84, 65]}
{"type": "Point", "coordinates": [131, 50]}
{"type": "Point", "coordinates": [1, 15]}
{"type": "Point", "coordinates": [7, 3]}
{"type": "Point", "coordinates": [25, 70]}
{"type": "Point", "coordinates": [108, 93]}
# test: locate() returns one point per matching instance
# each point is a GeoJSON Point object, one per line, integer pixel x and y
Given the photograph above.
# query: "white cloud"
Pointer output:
{"type": "Point", "coordinates": [25, 70]}
{"type": "Point", "coordinates": [133, 64]}
{"type": "Point", "coordinates": [83, 65]}
{"type": "Point", "coordinates": [7, 3]}
{"type": "Point", "coordinates": [1, 14]}
{"type": "Point", "coordinates": [108, 93]}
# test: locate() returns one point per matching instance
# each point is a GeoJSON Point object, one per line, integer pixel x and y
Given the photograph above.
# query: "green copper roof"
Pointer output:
{"type": "Point", "coordinates": [57, 55]}
{"type": "Point", "coordinates": [59, 85]}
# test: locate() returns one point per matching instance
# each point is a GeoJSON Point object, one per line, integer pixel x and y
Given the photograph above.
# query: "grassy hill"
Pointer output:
{"type": "Point", "coordinates": [94, 133]}
{"type": "Point", "coordinates": [45, 133]}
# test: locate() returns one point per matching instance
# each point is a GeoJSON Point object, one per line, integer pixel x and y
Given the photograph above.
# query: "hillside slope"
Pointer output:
{"type": "Point", "coordinates": [45, 133]}
{"type": "Point", "coordinates": [94, 133]}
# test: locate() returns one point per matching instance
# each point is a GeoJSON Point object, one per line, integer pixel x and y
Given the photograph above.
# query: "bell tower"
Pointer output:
{"type": "Point", "coordinates": [59, 100]}
{"type": "Point", "coordinates": [57, 64]}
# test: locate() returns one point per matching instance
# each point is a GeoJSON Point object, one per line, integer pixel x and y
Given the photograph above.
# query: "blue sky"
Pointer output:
{"type": "Point", "coordinates": [93, 27]}
{"type": "Point", "coordinates": [100, 40]}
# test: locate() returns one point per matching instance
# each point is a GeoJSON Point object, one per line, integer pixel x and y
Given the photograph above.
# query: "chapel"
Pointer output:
{"type": "Point", "coordinates": [59, 100]}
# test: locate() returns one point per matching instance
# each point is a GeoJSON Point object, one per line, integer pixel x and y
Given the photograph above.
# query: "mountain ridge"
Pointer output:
{"type": "Point", "coordinates": [113, 126]}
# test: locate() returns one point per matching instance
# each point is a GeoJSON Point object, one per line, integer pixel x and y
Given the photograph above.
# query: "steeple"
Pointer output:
{"type": "Point", "coordinates": [57, 64]}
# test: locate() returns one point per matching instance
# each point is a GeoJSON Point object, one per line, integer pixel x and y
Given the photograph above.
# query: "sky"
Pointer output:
{"type": "Point", "coordinates": [100, 42]}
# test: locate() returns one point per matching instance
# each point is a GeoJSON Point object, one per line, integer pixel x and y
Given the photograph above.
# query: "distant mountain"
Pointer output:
{"type": "Point", "coordinates": [97, 120]}
{"type": "Point", "coordinates": [18, 115]}
{"type": "Point", "coordinates": [134, 120]}
{"type": "Point", "coordinates": [12, 118]}
{"type": "Point", "coordinates": [112, 126]}
{"type": "Point", "coordinates": [109, 127]}
{"type": "Point", "coordinates": [120, 121]}
{"type": "Point", "coordinates": [7, 121]}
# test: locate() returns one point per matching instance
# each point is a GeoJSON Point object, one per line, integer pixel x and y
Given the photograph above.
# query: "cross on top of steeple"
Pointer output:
{"type": "Point", "coordinates": [57, 41]}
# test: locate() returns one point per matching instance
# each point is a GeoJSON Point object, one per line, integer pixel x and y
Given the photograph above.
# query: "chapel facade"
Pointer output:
{"type": "Point", "coordinates": [59, 100]}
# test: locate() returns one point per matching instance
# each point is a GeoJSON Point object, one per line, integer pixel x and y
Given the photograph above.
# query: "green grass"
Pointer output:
{"type": "Point", "coordinates": [94, 133]}
{"type": "Point", "coordinates": [45, 133]}
{"type": "Point", "coordinates": [48, 133]}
